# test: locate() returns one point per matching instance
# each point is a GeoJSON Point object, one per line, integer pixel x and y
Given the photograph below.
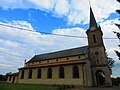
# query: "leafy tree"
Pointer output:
{"type": "Point", "coordinates": [3, 77]}
{"type": "Point", "coordinates": [110, 62]}
{"type": "Point", "coordinates": [115, 81]}
{"type": "Point", "coordinates": [118, 34]}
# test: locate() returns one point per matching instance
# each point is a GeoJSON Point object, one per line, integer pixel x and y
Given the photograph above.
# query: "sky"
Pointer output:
{"type": "Point", "coordinates": [66, 17]}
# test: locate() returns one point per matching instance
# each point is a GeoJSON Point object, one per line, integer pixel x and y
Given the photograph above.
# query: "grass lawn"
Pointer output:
{"type": "Point", "coordinates": [10, 86]}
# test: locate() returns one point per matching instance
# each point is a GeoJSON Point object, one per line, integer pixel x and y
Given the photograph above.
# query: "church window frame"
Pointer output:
{"type": "Point", "coordinates": [10, 78]}
{"type": "Point", "coordinates": [22, 74]}
{"type": "Point", "coordinates": [30, 74]}
{"type": "Point", "coordinates": [96, 53]}
{"type": "Point", "coordinates": [39, 72]}
{"type": "Point", "coordinates": [49, 73]}
{"type": "Point", "coordinates": [61, 73]}
{"type": "Point", "coordinates": [94, 38]}
{"type": "Point", "coordinates": [75, 72]}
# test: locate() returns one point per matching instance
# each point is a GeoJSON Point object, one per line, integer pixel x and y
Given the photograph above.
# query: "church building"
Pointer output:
{"type": "Point", "coordinates": [82, 66]}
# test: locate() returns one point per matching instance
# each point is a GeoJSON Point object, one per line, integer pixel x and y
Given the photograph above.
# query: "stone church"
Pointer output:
{"type": "Point", "coordinates": [83, 66]}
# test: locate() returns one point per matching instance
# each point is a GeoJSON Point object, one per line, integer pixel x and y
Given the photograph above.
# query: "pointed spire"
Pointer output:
{"type": "Point", "coordinates": [92, 20]}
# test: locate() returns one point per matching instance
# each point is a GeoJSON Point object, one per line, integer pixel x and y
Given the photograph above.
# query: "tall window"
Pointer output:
{"type": "Point", "coordinates": [39, 73]}
{"type": "Point", "coordinates": [61, 72]}
{"type": "Point", "coordinates": [75, 72]}
{"type": "Point", "coordinates": [30, 74]}
{"type": "Point", "coordinates": [10, 78]}
{"type": "Point", "coordinates": [94, 39]}
{"type": "Point", "coordinates": [49, 73]}
{"type": "Point", "coordinates": [22, 74]}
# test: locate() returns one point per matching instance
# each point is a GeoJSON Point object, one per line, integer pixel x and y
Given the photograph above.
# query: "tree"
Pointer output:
{"type": "Point", "coordinates": [118, 34]}
{"type": "Point", "coordinates": [110, 62]}
{"type": "Point", "coordinates": [3, 77]}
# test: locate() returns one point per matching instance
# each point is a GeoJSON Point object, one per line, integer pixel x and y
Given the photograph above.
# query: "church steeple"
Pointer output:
{"type": "Point", "coordinates": [97, 55]}
{"type": "Point", "coordinates": [93, 23]}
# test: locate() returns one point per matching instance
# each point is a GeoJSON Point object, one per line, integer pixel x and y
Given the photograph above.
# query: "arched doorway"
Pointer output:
{"type": "Point", "coordinates": [100, 77]}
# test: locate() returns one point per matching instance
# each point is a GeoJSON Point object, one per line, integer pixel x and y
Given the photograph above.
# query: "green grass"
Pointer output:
{"type": "Point", "coordinates": [10, 86]}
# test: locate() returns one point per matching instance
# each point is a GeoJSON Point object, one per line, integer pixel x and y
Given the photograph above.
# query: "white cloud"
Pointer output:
{"type": "Point", "coordinates": [43, 4]}
{"type": "Point", "coordinates": [14, 4]}
{"type": "Point", "coordinates": [62, 7]}
{"type": "Point", "coordinates": [103, 9]}
{"type": "Point", "coordinates": [76, 11]}
{"type": "Point", "coordinates": [108, 27]}
{"type": "Point", "coordinates": [5, 65]}
{"type": "Point", "coordinates": [111, 44]}
{"type": "Point", "coordinates": [18, 45]}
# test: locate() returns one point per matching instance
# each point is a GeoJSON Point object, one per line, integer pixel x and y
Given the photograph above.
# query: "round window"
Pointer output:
{"type": "Point", "coordinates": [96, 53]}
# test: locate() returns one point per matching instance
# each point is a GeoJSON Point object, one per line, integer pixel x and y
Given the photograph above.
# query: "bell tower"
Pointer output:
{"type": "Point", "coordinates": [97, 56]}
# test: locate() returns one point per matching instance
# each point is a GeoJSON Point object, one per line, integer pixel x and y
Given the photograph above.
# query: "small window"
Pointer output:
{"type": "Point", "coordinates": [47, 60]}
{"type": "Point", "coordinates": [79, 57]}
{"type": "Point", "coordinates": [96, 53]}
{"type": "Point", "coordinates": [56, 59]}
{"type": "Point", "coordinates": [67, 58]}
{"type": "Point", "coordinates": [94, 39]}
{"type": "Point", "coordinates": [39, 62]}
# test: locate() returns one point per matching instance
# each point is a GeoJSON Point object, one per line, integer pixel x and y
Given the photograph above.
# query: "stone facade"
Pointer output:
{"type": "Point", "coordinates": [67, 63]}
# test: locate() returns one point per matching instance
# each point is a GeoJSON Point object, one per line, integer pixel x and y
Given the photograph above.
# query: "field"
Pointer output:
{"type": "Point", "coordinates": [9, 86]}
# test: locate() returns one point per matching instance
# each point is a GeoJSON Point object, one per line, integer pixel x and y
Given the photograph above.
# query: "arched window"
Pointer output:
{"type": "Point", "coordinates": [96, 53]}
{"type": "Point", "coordinates": [39, 73]}
{"type": "Point", "coordinates": [10, 78]}
{"type": "Point", "coordinates": [30, 74]}
{"type": "Point", "coordinates": [22, 74]}
{"type": "Point", "coordinates": [94, 39]}
{"type": "Point", "coordinates": [75, 72]}
{"type": "Point", "coordinates": [49, 73]}
{"type": "Point", "coordinates": [61, 72]}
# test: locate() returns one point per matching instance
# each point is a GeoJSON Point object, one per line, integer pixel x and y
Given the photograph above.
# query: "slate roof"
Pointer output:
{"type": "Point", "coordinates": [60, 54]}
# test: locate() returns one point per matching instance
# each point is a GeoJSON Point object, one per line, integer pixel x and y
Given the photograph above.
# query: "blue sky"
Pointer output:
{"type": "Point", "coordinates": [38, 19]}
{"type": "Point", "coordinates": [69, 17]}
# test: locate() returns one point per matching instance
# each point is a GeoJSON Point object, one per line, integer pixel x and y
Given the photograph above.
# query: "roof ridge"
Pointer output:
{"type": "Point", "coordinates": [60, 54]}
{"type": "Point", "coordinates": [61, 50]}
